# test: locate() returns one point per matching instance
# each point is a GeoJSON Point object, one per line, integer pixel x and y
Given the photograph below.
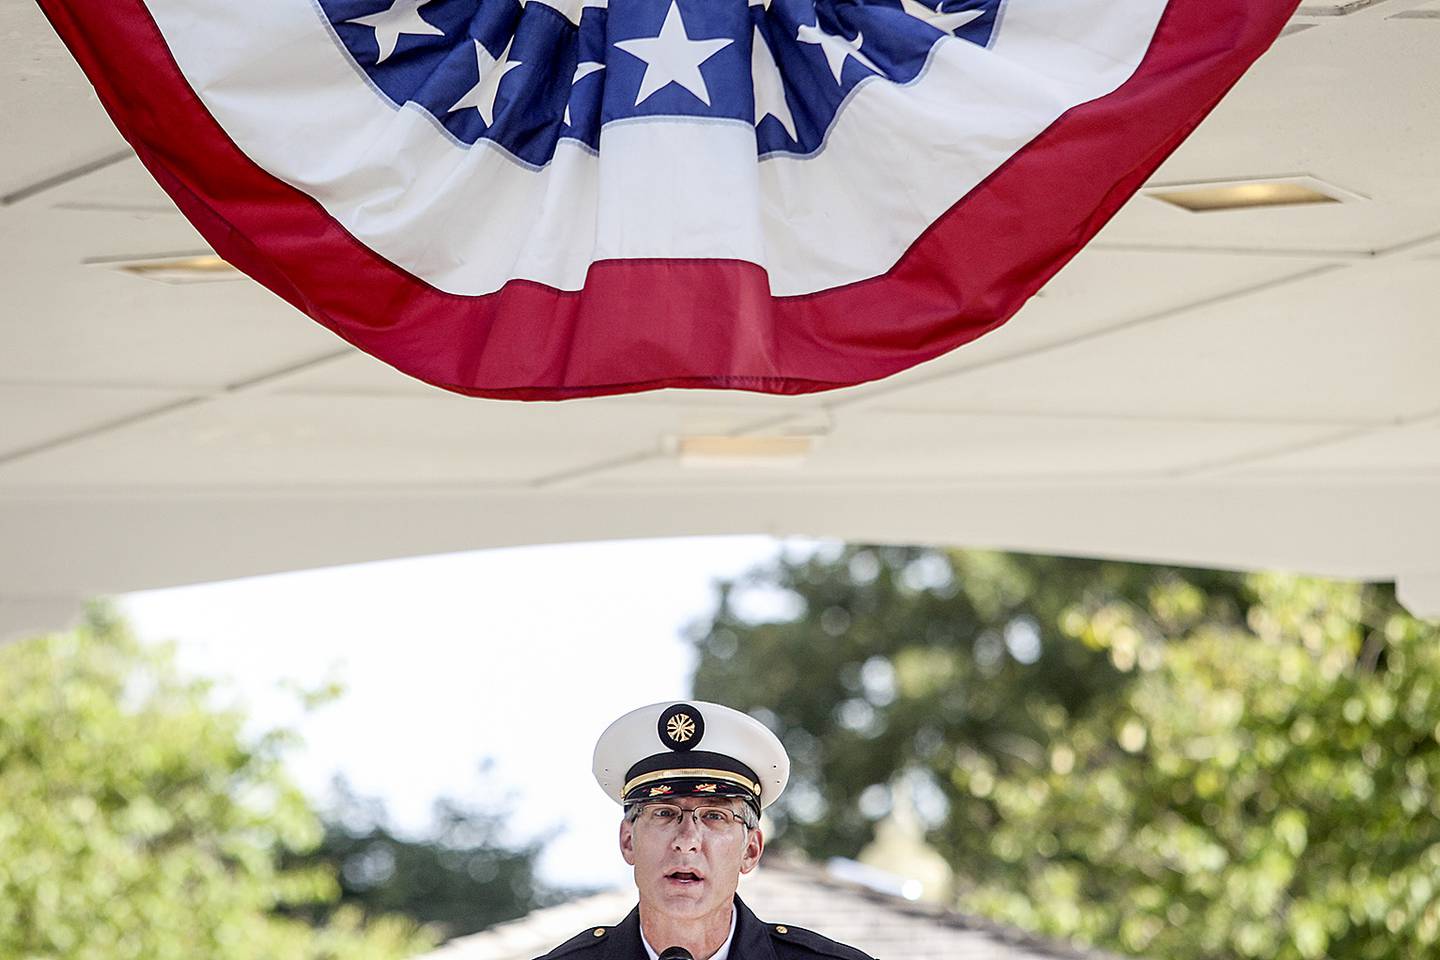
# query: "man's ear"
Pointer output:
{"type": "Point", "coordinates": [627, 841]}
{"type": "Point", "coordinates": [754, 847]}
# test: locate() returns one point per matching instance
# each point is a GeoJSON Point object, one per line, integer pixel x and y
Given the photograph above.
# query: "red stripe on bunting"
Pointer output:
{"type": "Point", "coordinates": [646, 324]}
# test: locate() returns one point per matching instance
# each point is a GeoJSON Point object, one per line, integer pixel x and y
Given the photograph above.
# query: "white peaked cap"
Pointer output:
{"type": "Point", "coordinates": [690, 748]}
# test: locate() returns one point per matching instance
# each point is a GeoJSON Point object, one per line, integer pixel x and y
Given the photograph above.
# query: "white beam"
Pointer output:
{"type": "Point", "coordinates": [22, 617]}
{"type": "Point", "coordinates": [1420, 593]}
{"type": "Point", "coordinates": [84, 547]}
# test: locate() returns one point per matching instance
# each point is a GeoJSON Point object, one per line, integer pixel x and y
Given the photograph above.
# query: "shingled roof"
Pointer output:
{"type": "Point", "coordinates": [885, 926]}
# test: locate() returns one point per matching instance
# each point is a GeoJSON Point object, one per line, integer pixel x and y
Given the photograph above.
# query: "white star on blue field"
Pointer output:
{"type": "Point", "coordinates": [525, 75]}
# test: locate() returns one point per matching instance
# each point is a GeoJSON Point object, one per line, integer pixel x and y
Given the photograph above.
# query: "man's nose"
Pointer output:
{"type": "Point", "coordinates": [688, 836]}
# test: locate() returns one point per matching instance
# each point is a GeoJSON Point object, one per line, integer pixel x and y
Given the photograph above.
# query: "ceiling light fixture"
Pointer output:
{"type": "Point", "coordinates": [1214, 196]}
{"type": "Point", "coordinates": [171, 268]}
{"type": "Point", "coordinates": [740, 451]}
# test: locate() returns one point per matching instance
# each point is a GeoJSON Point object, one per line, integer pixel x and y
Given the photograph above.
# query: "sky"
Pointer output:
{"type": "Point", "coordinates": [483, 676]}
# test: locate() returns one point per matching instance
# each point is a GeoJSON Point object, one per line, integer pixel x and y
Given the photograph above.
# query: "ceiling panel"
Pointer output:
{"type": "Point", "coordinates": [1338, 8]}
{"type": "Point", "coordinates": [1424, 10]}
{"type": "Point", "coordinates": [874, 445]}
{"type": "Point", "coordinates": [1343, 102]}
{"type": "Point", "coordinates": [31, 415]}
{"type": "Point", "coordinates": [42, 82]}
{"type": "Point", "coordinates": [355, 373]}
{"type": "Point", "coordinates": [69, 321]}
{"type": "Point", "coordinates": [1409, 450]}
{"type": "Point", "coordinates": [1102, 288]}
{"type": "Point", "coordinates": [267, 439]}
{"type": "Point", "coordinates": [1355, 345]}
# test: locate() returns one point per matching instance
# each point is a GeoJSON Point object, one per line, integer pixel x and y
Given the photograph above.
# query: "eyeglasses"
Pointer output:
{"type": "Point", "coordinates": [671, 815]}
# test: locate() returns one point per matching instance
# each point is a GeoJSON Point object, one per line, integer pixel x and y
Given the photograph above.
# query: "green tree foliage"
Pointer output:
{"type": "Point", "coordinates": [900, 656]}
{"type": "Point", "coordinates": [462, 877]}
{"type": "Point", "coordinates": [1233, 766]}
{"type": "Point", "coordinates": [1265, 792]}
{"type": "Point", "coordinates": [137, 822]}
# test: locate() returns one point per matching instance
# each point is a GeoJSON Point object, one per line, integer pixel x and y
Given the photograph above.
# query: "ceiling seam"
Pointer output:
{"type": "Point", "coordinates": [1287, 253]}
{"type": "Point", "coordinates": [1408, 245]}
{"type": "Point", "coordinates": [65, 176]}
{"type": "Point", "coordinates": [869, 398]}
{"type": "Point", "coordinates": [1317, 443]}
{"type": "Point", "coordinates": [203, 492]}
{"type": "Point", "coordinates": [577, 475]}
{"type": "Point", "coordinates": [1343, 10]}
{"type": "Point", "coordinates": [1111, 416]}
{"type": "Point", "coordinates": [1207, 467]}
{"type": "Point", "coordinates": [276, 377]}
{"type": "Point", "coordinates": [79, 436]}
{"type": "Point", "coordinates": [701, 485]}
{"type": "Point", "coordinates": [1276, 253]}
{"type": "Point", "coordinates": [164, 410]}
{"type": "Point", "coordinates": [1027, 483]}
{"type": "Point", "coordinates": [117, 386]}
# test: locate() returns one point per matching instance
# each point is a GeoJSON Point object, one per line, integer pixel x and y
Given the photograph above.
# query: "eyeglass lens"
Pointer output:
{"type": "Point", "coordinates": [715, 818]}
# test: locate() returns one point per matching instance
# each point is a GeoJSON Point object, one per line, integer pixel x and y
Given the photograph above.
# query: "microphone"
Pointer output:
{"type": "Point", "coordinates": [676, 953]}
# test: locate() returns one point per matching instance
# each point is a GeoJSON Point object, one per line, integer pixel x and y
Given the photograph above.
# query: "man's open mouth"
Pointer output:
{"type": "Point", "coordinates": [684, 876]}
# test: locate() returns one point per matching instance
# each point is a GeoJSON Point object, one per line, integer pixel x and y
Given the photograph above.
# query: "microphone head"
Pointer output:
{"type": "Point", "coordinates": [676, 953]}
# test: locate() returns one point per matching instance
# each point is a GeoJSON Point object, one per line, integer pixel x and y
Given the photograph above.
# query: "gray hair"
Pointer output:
{"type": "Point", "coordinates": [746, 813]}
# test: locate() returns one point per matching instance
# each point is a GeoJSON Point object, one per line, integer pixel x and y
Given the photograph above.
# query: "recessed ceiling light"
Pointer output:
{"type": "Point", "coordinates": [728, 451]}
{"type": "Point", "coordinates": [1248, 194]}
{"type": "Point", "coordinates": [172, 268]}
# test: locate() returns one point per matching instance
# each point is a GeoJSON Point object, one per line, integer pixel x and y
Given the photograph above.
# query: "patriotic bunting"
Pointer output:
{"type": "Point", "coordinates": [541, 199]}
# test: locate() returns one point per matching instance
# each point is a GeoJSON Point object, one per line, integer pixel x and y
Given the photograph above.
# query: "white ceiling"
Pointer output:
{"type": "Point", "coordinates": [1242, 389]}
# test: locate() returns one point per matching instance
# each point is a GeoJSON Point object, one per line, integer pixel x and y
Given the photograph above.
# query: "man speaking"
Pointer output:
{"type": "Point", "coordinates": [692, 779]}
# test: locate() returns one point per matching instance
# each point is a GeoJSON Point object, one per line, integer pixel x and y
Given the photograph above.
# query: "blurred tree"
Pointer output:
{"type": "Point", "coordinates": [462, 877]}
{"type": "Point", "coordinates": [903, 661]}
{"type": "Point", "coordinates": [137, 822]}
{"type": "Point", "coordinates": [1159, 761]}
{"type": "Point", "coordinates": [1265, 792]}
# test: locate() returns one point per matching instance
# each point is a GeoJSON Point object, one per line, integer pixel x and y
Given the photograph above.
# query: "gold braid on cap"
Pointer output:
{"type": "Point", "coordinates": [724, 776]}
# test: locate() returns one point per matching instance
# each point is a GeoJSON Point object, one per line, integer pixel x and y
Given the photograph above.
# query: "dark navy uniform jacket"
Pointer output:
{"type": "Point", "coordinates": [754, 940]}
